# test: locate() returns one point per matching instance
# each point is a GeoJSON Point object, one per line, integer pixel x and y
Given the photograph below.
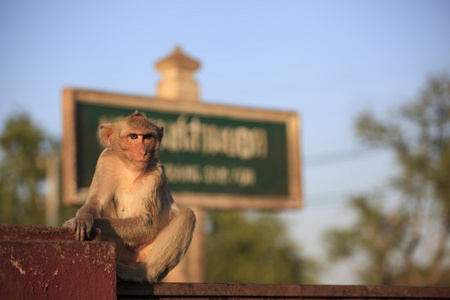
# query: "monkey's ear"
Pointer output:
{"type": "Point", "coordinates": [160, 132]}
{"type": "Point", "coordinates": [105, 132]}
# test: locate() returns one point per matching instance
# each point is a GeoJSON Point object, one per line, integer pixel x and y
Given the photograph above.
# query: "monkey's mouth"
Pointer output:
{"type": "Point", "coordinates": [140, 161]}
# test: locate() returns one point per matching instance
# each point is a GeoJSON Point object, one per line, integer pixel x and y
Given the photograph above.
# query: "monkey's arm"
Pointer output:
{"type": "Point", "coordinates": [99, 193]}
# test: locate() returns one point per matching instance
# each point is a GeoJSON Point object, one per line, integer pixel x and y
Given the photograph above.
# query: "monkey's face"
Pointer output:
{"type": "Point", "coordinates": [135, 139]}
{"type": "Point", "coordinates": [139, 146]}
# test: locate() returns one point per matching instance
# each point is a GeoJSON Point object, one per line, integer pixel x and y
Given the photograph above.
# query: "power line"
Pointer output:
{"type": "Point", "coordinates": [338, 156]}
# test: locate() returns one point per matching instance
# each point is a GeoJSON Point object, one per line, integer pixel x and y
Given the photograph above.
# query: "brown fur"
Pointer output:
{"type": "Point", "coordinates": [130, 202]}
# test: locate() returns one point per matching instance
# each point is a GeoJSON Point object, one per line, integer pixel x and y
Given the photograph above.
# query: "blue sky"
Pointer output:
{"type": "Point", "coordinates": [326, 60]}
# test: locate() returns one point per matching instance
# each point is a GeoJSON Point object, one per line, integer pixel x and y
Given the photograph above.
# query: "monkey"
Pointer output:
{"type": "Point", "coordinates": [130, 202]}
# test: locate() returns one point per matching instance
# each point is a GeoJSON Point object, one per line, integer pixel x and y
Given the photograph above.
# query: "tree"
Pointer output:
{"type": "Point", "coordinates": [243, 248]}
{"type": "Point", "coordinates": [392, 242]}
{"type": "Point", "coordinates": [22, 145]}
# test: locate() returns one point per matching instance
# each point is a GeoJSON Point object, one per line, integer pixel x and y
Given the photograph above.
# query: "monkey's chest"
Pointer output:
{"type": "Point", "coordinates": [129, 203]}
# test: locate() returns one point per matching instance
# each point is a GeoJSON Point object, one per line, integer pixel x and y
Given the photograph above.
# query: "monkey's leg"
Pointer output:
{"type": "Point", "coordinates": [169, 248]}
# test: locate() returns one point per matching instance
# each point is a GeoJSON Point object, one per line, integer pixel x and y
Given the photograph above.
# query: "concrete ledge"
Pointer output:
{"type": "Point", "coordinates": [38, 262]}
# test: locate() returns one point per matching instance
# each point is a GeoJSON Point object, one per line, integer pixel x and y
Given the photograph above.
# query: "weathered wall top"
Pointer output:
{"type": "Point", "coordinates": [38, 262]}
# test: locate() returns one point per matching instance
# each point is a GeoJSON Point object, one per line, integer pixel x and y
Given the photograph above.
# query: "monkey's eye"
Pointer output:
{"type": "Point", "coordinates": [148, 136]}
{"type": "Point", "coordinates": [133, 136]}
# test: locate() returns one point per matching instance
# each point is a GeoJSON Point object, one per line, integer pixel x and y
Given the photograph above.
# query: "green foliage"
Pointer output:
{"type": "Point", "coordinates": [244, 248]}
{"type": "Point", "coordinates": [23, 145]}
{"type": "Point", "coordinates": [23, 150]}
{"type": "Point", "coordinates": [377, 236]}
{"type": "Point", "coordinates": [391, 240]}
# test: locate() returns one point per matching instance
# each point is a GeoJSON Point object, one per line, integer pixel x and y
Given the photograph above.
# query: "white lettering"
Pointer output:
{"type": "Point", "coordinates": [210, 175]}
{"type": "Point", "coordinates": [216, 175]}
{"type": "Point", "coordinates": [178, 173]}
{"type": "Point", "coordinates": [195, 137]}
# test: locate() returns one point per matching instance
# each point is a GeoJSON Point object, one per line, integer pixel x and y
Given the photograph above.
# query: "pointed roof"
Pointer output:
{"type": "Point", "coordinates": [177, 59]}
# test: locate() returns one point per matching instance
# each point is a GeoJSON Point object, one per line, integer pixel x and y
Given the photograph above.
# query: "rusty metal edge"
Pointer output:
{"type": "Point", "coordinates": [162, 290]}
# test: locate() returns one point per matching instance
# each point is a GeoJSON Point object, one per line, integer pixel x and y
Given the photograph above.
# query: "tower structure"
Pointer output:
{"type": "Point", "coordinates": [177, 80]}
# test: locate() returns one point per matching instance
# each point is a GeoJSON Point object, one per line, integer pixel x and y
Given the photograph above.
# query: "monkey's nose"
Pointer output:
{"type": "Point", "coordinates": [144, 153]}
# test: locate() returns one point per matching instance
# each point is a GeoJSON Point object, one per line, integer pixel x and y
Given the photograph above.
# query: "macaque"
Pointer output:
{"type": "Point", "coordinates": [130, 202]}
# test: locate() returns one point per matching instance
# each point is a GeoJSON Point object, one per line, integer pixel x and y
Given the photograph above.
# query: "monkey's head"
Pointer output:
{"type": "Point", "coordinates": [135, 139]}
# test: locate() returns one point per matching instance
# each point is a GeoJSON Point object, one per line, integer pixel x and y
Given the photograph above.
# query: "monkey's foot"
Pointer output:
{"type": "Point", "coordinates": [138, 273]}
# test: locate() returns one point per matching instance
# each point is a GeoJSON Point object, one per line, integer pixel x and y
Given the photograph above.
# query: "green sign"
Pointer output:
{"type": "Point", "coordinates": [208, 151]}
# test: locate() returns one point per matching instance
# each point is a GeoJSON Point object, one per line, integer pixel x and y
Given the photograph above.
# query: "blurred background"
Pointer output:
{"type": "Point", "coordinates": [370, 80]}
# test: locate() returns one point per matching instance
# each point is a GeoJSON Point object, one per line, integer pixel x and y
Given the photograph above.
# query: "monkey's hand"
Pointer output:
{"type": "Point", "coordinates": [80, 227]}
